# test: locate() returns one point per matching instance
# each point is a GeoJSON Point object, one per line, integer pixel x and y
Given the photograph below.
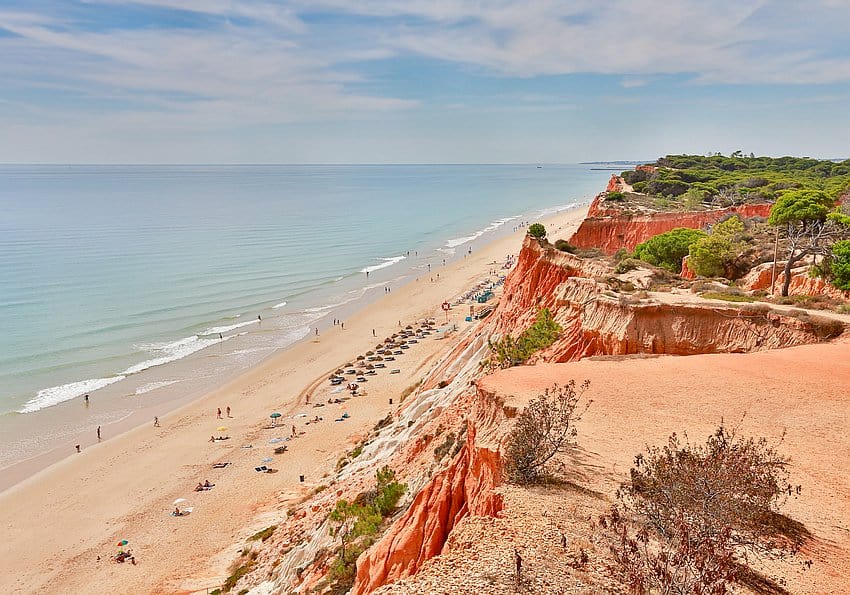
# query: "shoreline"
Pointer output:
{"type": "Point", "coordinates": [174, 397]}
{"type": "Point", "coordinates": [123, 487]}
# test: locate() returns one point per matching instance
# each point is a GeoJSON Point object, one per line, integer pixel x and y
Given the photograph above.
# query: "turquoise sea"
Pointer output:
{"type": "Point", "coordinates": [122, 281]}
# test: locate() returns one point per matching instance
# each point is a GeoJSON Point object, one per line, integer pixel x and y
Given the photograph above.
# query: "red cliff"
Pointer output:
{"type": "Point", "coordinates": [610, 230]}
{"type": "Point", "coordinates": [596, 321]}
{"type": "Point", "coordinates": [465, 488]}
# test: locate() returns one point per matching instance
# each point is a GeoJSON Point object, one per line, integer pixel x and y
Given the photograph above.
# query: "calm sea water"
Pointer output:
{"type": "Point", "coordinates": [111, 275]}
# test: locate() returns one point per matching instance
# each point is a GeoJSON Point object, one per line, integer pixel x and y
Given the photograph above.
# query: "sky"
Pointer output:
{"type": "Point", "coordinates": [420, 81]}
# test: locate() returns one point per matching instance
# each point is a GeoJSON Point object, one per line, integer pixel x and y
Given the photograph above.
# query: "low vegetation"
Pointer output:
{"type": "Point", "coordinates": [239, 568]}
{"type": "Point", "coordinates": [507, 351]}
{"type": "Point", "coordinates": [545, 428]}
{"type": "Point", "coordinates": [714, 255]}
{"type": "Point", "coordinates": [537, 230]}
{"type": "Point", "coordinates": [690, 515]}
{"type": "Point", "coordinates": [719, 181]}
{"type": "Point", "coordinates": [728, 296]}
{"type": "Point", "coordinates": [667, 250]}
{"type": "Point", "coordinates": [356, 524]}
{"type": "Point", "coordinates": [264, 534]}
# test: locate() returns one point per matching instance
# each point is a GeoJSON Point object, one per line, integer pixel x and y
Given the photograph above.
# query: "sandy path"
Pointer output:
{"type": "Point", "coordinates": [56, 523]}
{"type": "Point", "coordinates": [802, 391]}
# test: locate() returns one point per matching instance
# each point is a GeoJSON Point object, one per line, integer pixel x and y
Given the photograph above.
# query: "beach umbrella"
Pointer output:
{"type": "Point", "coordinates": [122, 542]}
{"type": "Point", "coordinates": [222, 428]}
{"type": "Point", "coordinates": [274, 417]}
{"type": "Point", "coordinates": [179, 500]}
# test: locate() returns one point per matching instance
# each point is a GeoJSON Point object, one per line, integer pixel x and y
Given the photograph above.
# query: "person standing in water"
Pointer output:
{"type": "Point", "coordinates": [86, 399]}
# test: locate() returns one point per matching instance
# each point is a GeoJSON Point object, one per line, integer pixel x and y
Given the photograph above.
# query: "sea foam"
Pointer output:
{"type": "Point", "coordinates": [386, 262]}
{"type": "Point", "coordinates": [54, 395]}
{"type": "Point", "coordinates": [151, 386]}
{"type": "Point", "coordinates": [215, 330]}
{"type": "Point", "coordinates": [170, 352]}
{"type": "Point", "coordinates": [455, 242]}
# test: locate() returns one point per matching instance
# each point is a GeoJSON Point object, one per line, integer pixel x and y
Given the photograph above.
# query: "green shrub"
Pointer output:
{"type": "Point", "coordinates": [264, 534]}
{"type": "Point", "coordinates": [565, 246]}
{"type": "Point", "coordinates": [840, 264]}
{"type": "Point", "coordinates": [711, 256]}
{"type": "Point", "coordinates": [536, 230]}
{"type": "Point", "coordinates": [728, 297]}
{"type": "Point", "coordinates": [626, 265]}
{"type": "Point", "coordinates": [668, 249]}
{"type": "Point", "coordinates": [617, 196]}
{"type": "Point", "coordinates": [507, 351]}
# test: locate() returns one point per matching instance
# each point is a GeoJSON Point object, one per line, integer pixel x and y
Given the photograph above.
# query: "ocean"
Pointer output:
{"type": "Point", "coordinates": [129, 282]}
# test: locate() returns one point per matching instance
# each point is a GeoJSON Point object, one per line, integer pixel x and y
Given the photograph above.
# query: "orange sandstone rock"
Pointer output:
{"type": "Point", "coordinates": [464, 488]}
{"type": "Point", "coordinates": [610, 230]}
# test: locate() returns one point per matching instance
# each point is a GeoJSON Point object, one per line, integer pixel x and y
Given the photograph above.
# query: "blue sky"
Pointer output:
{"type": "Point", "coordinates": [438, 81]}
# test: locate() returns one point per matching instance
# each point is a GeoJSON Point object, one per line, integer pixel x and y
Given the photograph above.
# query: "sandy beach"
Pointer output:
{"type": "Point", "coordinates": [61, 525]}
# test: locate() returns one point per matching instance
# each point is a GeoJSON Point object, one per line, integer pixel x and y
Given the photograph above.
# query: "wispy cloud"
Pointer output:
{"type": "Point", "coordinates": [101, 68]}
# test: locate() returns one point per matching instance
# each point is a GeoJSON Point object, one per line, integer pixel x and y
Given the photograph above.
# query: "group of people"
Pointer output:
{"type": "Point", "coordinates": [203, 487]}
{"type": "Point", "coordinates": [218, 414]}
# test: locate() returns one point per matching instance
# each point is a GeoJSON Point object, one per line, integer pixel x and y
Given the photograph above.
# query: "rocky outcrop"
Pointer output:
{"type": "Point", "coordinates": [465, 488]}
{"type": "Point", "coordinates": [687, 271]}
{"type": "Point", "coordinates": [597, 321]}
{"type": "Point", "coordinates": [598, 324]}
{"type": "Point", "coordinates": [801, 283]}
{"type": "Point", "coordinates": [531, 285]}
{"type": "Point", "coordinates": [615, 184]}
{"type": "Point", "coordinates": [609, 229]}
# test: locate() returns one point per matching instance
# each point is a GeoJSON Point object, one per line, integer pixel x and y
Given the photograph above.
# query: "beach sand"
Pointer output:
{"type": "Point", "coordinates": [61, 525]}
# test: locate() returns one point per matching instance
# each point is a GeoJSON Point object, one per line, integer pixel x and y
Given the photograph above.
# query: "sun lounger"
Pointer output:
{"type": "Point", "coordinates": [281, 449]}
{"type": "Point", "coordinates": [395, 371]}
{"type": "Point", "coordinates": [261, 469]}
{"type": "Point", "coordinates": [220, 465]}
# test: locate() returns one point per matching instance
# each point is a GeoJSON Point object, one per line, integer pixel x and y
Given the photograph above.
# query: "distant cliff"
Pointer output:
{"type": "Point", "coordinates": [610, 229]}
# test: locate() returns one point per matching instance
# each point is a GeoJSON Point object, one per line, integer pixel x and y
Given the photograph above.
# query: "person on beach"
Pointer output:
{"type": "Point", "coordinates": [307, 398]}
{"type": "Point", "coordinates": [373, 333]}
{"type": "Point", "coordinates": [220, 337]}
{"type": "Point", "coordinates": [98, 433]}
{"type": "Point", "coordinates": [78, 448]}
{"type": "Point", "coordinates": [228, 411]}
{"type": "Point", "coordinates": [259, 318]}
{"type": "Point", "coordinates": [317, 331]}
{"type": "Point", "coordinates": [342, 324]}
{"type": "Point", "coordinates": [367, 274]}
{"type": "Point", "coordinates": [219, 413]}
{"type": "Point", "coordinates": [155, 421]}
{"type": "Point", "coordinates": [293, 431]}
{"type": "Point", "coordinates": [212, 438]}
{"type": "Point", "coordinates": [86, 399]}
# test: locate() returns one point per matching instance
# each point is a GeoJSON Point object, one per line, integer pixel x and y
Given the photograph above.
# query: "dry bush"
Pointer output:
{"type": "Point", "coordinates": [545, 428]}
{"type": "Point", "coordinates": [690, 515]}
{"type": "Point", "coordinates": [826, 328]}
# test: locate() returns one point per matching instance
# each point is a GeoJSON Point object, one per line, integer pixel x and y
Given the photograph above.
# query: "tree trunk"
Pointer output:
{"type": "Point", "coordinates": [786, 283]}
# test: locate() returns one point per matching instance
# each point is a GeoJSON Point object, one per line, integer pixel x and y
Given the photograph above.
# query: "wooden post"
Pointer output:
{"type": "Point", "coordinates": [775, 253]}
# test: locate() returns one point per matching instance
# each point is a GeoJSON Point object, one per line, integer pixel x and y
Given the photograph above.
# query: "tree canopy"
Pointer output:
{"type": "Point", "coordinates": [668, 249]}
{"type": "Point", "coordinates": [800, 206]}
{"type": "Point", "coordinates": [537, 230]}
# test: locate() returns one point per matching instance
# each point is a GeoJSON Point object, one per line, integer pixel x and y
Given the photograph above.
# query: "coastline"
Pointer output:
{"type": "Point", "coordinates": [117, 411]}
{"type": "Point", "coordinates": [122, 488]}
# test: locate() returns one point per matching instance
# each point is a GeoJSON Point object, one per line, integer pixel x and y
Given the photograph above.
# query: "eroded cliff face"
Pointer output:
{"type": "Point", "coordinates": [465, 483]}
{"type": "Point", "coordinates": [609, 229]}
{"type": "Point", "coordinates": [531, 285]}
{"type": "Point", "coordinates": [466, 487]}
{"type": "Point", "coordinates": [801, 283]}
{"type": "Point", "coordinates": [596, 321]}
